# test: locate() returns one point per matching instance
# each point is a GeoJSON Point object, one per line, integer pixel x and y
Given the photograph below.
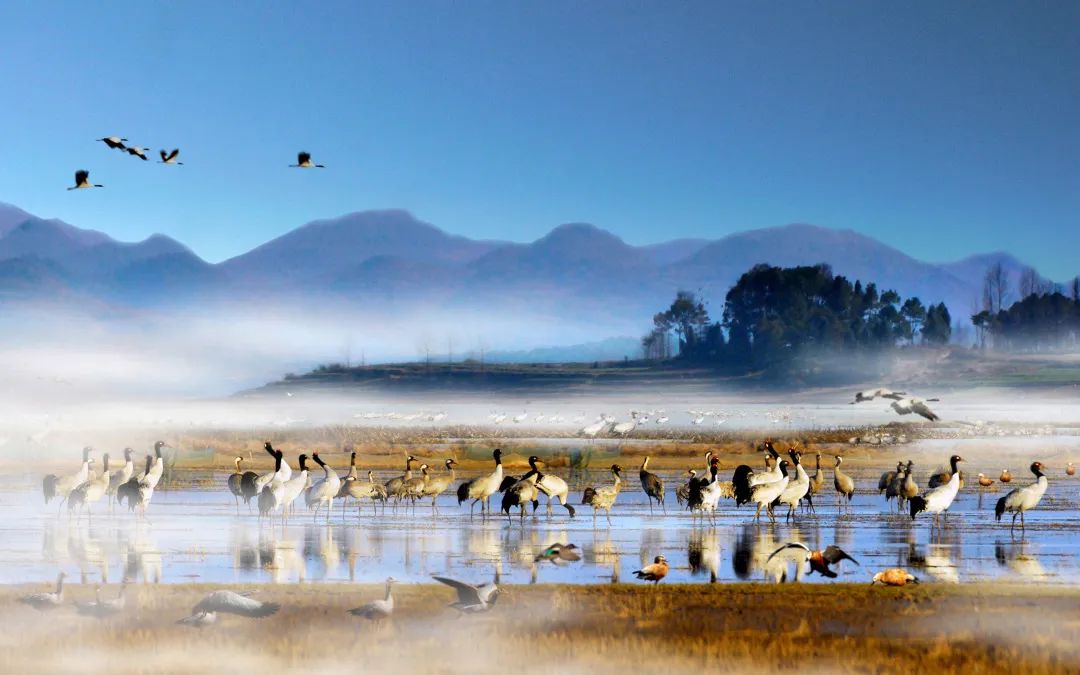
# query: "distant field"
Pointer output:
{"type": "Point", "coordinates": [985, 628]}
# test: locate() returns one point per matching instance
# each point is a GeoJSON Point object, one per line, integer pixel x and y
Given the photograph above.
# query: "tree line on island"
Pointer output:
{"type": "Point", "coordinates": [774, 314]}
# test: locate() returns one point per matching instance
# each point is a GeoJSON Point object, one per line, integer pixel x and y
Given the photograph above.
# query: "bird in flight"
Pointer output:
{"type": "Point", "coordinates": [170, 157]}
{"type": "Point", "coordinates": [303, 161]}
{"type": "Point", "coordinates": [82, 180]}
{"type": "Point", "coordinates": [138, 152]}
{"type": "Point", "coordinates": [114, 142]}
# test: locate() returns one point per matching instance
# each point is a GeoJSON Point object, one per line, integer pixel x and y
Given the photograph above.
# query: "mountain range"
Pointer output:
{"type": "Point", "coordinates": [389, 261]}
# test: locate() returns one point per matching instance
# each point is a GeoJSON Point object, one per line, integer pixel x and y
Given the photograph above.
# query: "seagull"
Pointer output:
{"type": "Point", "coordinates": [138, 152]}
{"type": "Point", "coordinates": [170, 157]}
{"type": "Point", "coordinates": [114, 142]}
{"type": "Point", "coordinates": [471, 599]}
{"type": "Point", "coordinates": [82, 180]}
{"type": "Point", "coordinates": [303, 161]}
{"type": "Point", "coordinates": [819, 560]}
{"type": "Point", "coordinates": [228, 602]}
{"type": "Point", "coordinates": [558, 552]}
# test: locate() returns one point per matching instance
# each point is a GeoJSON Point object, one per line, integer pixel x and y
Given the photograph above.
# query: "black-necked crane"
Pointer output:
{"type": "Point", "coordinates": [303, 161]}
{"type": "Point", "coordinates": [324, 491]}
{"type": "Point", "coordinates": [705, 492]}
{"type": "Point", "coordinates": [130, 490]}
{"type": "Point", "coordinates": [472, 599]}
{"type": "Point", "coordinates": [652, 485]}
{"type": "Point", "coordinates": [136, 151]}
{"type": "Point", "coordinates": [264, 478]}
{"type": "Point", "coordinates": [522, 493]}
{"type": "Point", "coordinates": [682, 493]}
{"type": "Point", "coordinates": [604, 497]}
{"type": "Point", "coordinates": [797, 488]}
{"type": "Point", "coordinates": [65, 484]}
{"type": "Point", "coordinates": [121, 475]}
{"type": "Point", "coordinates": [377, 610]}
{"type": "Point", "coordinates": [843, 483]}
{"type": "Point", "coordinates": [228, 602]}
{"type": "Point", "coordinates": [480, 489]}
{"type": "Point", "coordinates": [170, 157]}
{"type": "Point", "coordinates": [654, 572]}
{"type": "Point", "coordinates": [82, 181]}
{"type": "Point", "coordinates": [48, 600]}
{"type": "Point", "coordinates": [92, 490]}
{"type": "Point", "coordinates": [114, 142]}
{"type": "Point", "coordinates": [766, 494]}
{"type": "Point", "coordinates": [938, 500]}
{"type": "Point", "coordinates": [295, 486]}
{"type": "Point", "coordinates": [894, 577]}
{"type": "Point", "coordinates": [1023, 499]}
{"type": "Point", "coordinates": [555, 488]}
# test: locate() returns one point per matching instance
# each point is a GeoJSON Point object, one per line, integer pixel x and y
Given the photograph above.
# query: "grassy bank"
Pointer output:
{"type": "Point", "coordinates": [621, 628]}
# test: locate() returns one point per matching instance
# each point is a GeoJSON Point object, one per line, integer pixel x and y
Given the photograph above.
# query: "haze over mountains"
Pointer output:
{"type": "Point", "coordinates": [390, 261]}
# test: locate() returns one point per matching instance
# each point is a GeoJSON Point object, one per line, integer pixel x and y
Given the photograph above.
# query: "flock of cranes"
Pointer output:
{"type": "Point", "coordinates": [171, 157]}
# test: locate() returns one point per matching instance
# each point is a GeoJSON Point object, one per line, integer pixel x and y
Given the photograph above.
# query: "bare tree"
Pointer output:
{"type": "Point", "coordinates": [1030, 283]}
{"type": "Point", "coordinates": [995, 288]}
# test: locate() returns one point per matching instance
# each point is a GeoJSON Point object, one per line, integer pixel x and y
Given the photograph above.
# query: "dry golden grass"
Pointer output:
{"type": "Point", "coordinates": [607, 629]}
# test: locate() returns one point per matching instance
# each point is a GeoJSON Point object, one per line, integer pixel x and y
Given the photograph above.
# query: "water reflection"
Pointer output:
{"type": "Point", "coordinates": [196, 534]}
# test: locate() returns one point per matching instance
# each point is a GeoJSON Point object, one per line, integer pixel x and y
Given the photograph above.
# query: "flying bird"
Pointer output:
{"type": "Point", "coordinates": [114, 142]}
{"type": "Point", "coordinates": [170, 157]}
{"type": "Point", "coordinates": [558, 552]}
{"type": "Point", "coordinates": [819, 560]}
{"type": "Point", "coordinates": [906, 406]}
{"type": "Point", "coordinates": [138, 152]}
{"type": "Point", "coordinates": [228, 602]}
{"type": "Point", "coordinates": [303, 161]}
{"type": "Point", "coordinates": [472, 599]}
{"type": "Point", "coordinates": [82, 180]}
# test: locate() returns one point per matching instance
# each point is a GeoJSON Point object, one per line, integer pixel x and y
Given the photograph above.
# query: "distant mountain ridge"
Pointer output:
{"type": "Point", "coordinates": [388, 259]}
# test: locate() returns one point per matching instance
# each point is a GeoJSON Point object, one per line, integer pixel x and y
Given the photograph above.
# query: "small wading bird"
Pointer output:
{"type": "Point", "coordinates": [472, 599]}
{"type": "Point", "coordinates": [1023, 499]}
{"type": "Point", "coordinates": [654, 572]}
{"type": "Point", "coordinates": [819, 561]}
{"type": "Point", "coordinates": [50, 600]}
{"type": "Point", "coordinates": [303, 161]}
{"type": "Point", "coordinates": [938, 500]}
{"type": "Point", "coordinates": [114, 142]}
{"type": "Point", "coordinates": [228, 602]}
{"type": "Point", "coordinates": [894, 577]}
{"type": "Point", "coordinates": [170, 157]}
{"type": "Point", "coordinates": [82, 181]}
{"type": "Point", "coordinates": [377, 610]}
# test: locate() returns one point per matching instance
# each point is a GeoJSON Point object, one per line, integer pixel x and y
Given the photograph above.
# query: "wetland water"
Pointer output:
{"type": "Point", "coordinates": [195, 534]}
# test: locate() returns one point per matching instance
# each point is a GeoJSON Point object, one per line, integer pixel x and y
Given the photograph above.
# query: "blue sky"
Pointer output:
{"type": "Point", "coordinates": [941, 128]}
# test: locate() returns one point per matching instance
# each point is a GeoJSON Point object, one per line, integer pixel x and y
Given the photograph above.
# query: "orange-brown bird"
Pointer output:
{"type": "Point", "coordinates": [984, 481]}
{"type": "Point", "coordinates": [1070, 470]}
{"type": "Point", "coordinates": [894, 576]}
{"type": "Point", "coordinates": [654, 572]}
{"type": "Point", "coordinates": [1005, 476]}
{"type": "Point", "coordinates": [819, 560]}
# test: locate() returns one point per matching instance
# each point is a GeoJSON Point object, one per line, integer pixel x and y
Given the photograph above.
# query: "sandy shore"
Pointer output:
{"type": "Point", "coordinates": [620, 628]}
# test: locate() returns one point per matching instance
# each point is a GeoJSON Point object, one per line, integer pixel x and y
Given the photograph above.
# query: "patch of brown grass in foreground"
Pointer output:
{"type": "Point", "coordinates": [594, 629]}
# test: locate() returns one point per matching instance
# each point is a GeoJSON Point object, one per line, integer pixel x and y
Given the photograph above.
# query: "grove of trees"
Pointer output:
{"type": "Point", "coordinates": [773, 314]}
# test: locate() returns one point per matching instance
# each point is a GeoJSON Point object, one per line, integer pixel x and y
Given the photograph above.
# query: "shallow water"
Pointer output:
{"type": "Point", "coordinates": [198, 534]}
